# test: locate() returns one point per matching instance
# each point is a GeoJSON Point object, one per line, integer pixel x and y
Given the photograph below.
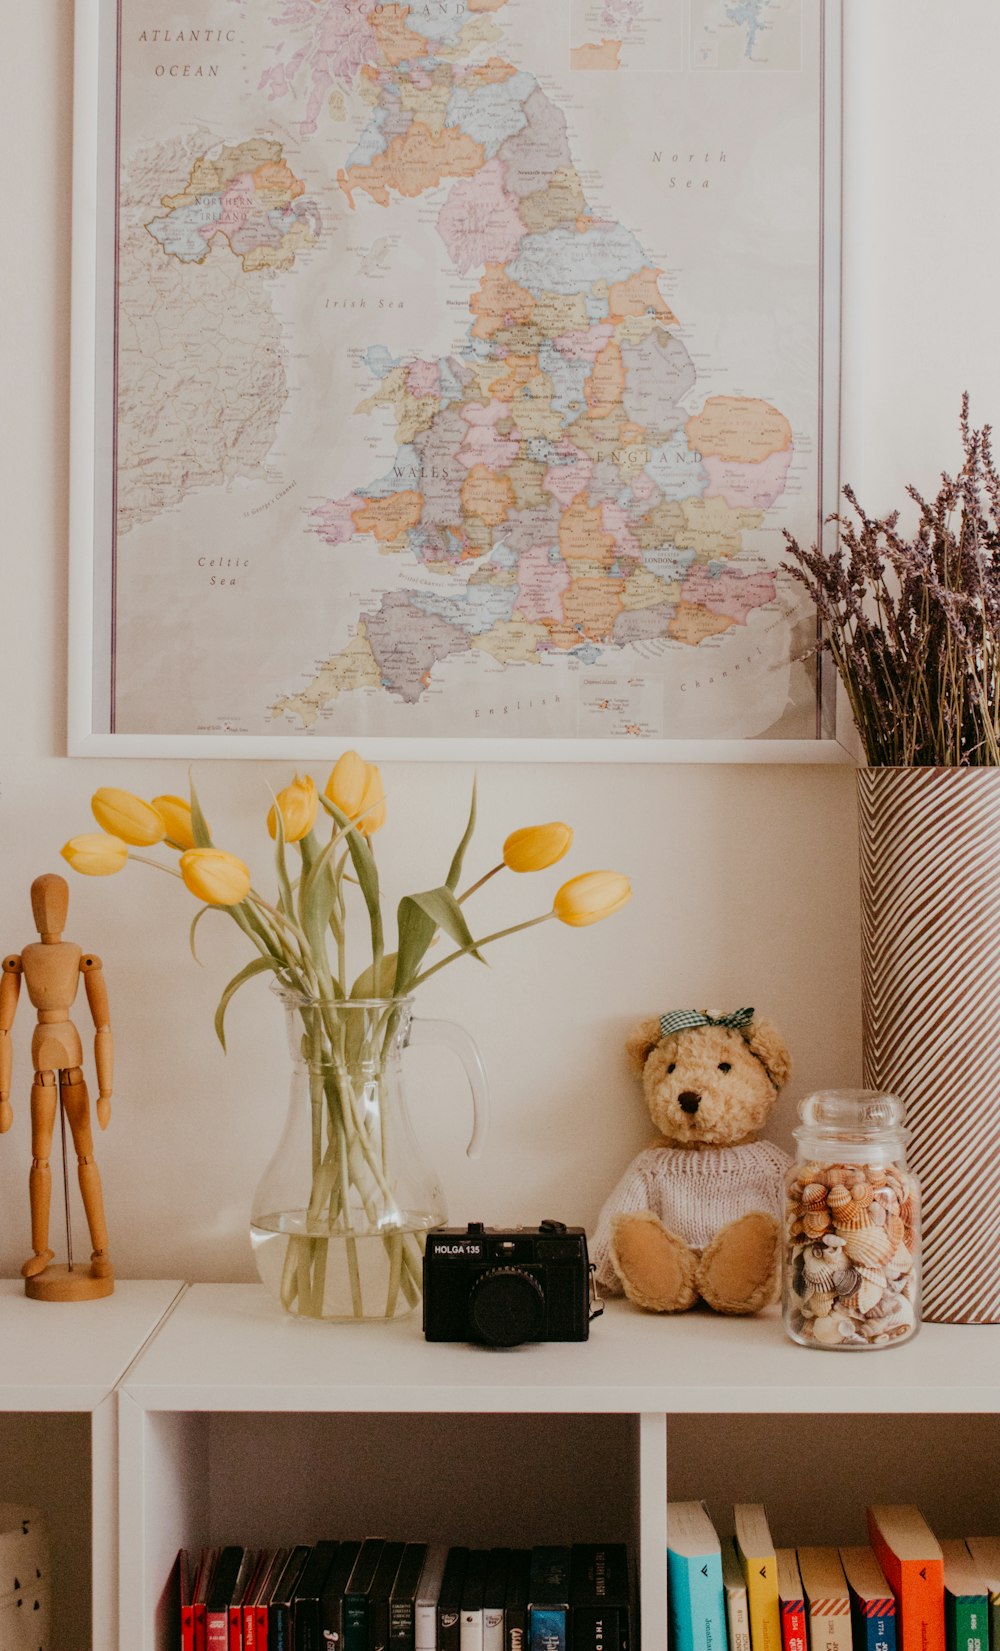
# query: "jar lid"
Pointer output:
{"type": "Point", "coordinates": [863, 1112]}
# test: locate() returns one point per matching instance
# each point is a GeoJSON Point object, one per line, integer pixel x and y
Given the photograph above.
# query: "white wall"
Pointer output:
{"type": "Point", "coordinates": [745, 878]}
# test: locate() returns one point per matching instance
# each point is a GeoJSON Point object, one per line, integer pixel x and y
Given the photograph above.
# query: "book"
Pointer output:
{"type": "Point", "coordinates": [380, 1593]}
{"type": "Point", "coordinates": [828, 1599]}
{"type": "Point", "coordinates": [755, 1551]}
{"type": "Point", "coordinates": [219, 1598]}
{"type": "Point", "coordinates": [696, 1603]}
{"type": "Point", "coordinates": [183, 1592]}
{"type": "Point", "coordinates": [248, 1614]}
{"type": "Point", "coordinates": [473, 1583]}
{"type": "Point", "coordinates": [331, 1614]}
{"type": "Point", "coordinates": [281, 1605]}
{"type": "Point", "coordinates": [428, 1594]}
{"type": "Point", "coordinates": [403, 1599]}
{"type": "Point", "coordinates": [244, 1579]}
{"type": "Point", "coordinates": [548, 1599]}
{"type": "Point", "coordinates": [873, 1608]}
{"type": "Point", "coordinates": [356, 1601]}
{"type": "Point", "coordinates": [307, 1627]}
{"type": "Point", "coordinates": [276, 1561]}
{"type": "Point", "coordinates": [966, 1601]}
{"type": "Point", "coordinates": [737, 1607]}
{"type": "Point", "coordinates": [494, 1598]}
{"type": "Point", "coordinates": [985, 1551]}
{"type": "Point", "coordinates": [791, 1601]}
{"type": "Point", "coordinates": [515, 1609]}
{"type": "Point", "coordinates": [910, 1555]}
{"type": "Point", "coordinates": [449, 1607]}
{"type": "Point", "coordinates": [600, 1598]}
{"type": "Point", "coordinates": [203, 1581]}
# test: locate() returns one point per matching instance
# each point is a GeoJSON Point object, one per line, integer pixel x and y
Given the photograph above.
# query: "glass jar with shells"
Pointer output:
{"type": "Point", "coordinates": [851, 1253]}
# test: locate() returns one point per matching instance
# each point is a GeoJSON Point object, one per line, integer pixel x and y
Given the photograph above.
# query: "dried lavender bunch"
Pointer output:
{"type": "Point", "coordinates": [914, 624]}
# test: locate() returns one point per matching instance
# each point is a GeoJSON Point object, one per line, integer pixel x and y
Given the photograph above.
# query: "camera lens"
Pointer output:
{"type": "Point", "coordinates": [507, 1307]}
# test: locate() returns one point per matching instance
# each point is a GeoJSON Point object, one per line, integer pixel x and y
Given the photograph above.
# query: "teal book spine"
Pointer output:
{"type": "Point", "coordinates": [696, 1603]}
{"type": "Point", "coordinates": [966, 1622]}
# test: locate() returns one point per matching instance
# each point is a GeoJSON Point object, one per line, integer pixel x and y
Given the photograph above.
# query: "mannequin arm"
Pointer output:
{"type": "Point", "coordinates": [10, 988]}
{"type": "Point", "coordinates": [97, 998]}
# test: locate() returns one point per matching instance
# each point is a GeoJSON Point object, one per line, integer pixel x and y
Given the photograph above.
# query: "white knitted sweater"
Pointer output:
{"type": "Point", "coordinates": [694, 1193]}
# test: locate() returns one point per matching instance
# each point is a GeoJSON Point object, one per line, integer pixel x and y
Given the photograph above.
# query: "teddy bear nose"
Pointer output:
{"type": "Point", "coordinates": [689, 1100]}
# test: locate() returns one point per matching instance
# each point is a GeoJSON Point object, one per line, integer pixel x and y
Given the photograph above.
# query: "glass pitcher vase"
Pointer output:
{"type": "Point", "coordinates": [339, 1219]}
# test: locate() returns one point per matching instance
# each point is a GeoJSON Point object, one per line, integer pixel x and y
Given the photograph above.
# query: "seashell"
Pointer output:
{"type": "Point", "coordinates": [829, 1332]}
{"type": "Point", "coordinates": [815, 1223]}
{"type": "Point", "coordinates": [846, 1281]}
{"type": "Point", "coordinates": [835, 1176]}
{"type": "Point", "coordinates": [837, 1198]}
{"type": "Point", "coordinates": [886, 1197]}
{"type": "Point", "coordinates": [852, 1219]}
{"type": "Point", "coordinates": [896, 1228]}
{"type": "Point", "coordinates": [821, 1280]}
{"type": "Point", "coordinates": [875, 1175]}
{"type": "Point", "coordinates": [833, 1242]}
{"type": "Point", "coordinates": [879, 1215]}
{"type": "Point", "coordinates": [869, 1297]}
{"type": "Point", "coordinates": [810, 1172]}
{"type": "Point", "coordinates": [820, 1303]}
{"type": "Point", "coordinates": [871, 1247]}
{"type": "Point", "coordinates": [874, 1275]}
{"type": "Point", "coordinates": [813, 1194]}
{"type": "Point", "coordinates": [862, 1194]}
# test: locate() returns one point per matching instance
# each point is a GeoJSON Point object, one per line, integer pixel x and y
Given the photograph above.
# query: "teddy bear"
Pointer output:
{"type": "Point", "coordinates": [696, 1217]}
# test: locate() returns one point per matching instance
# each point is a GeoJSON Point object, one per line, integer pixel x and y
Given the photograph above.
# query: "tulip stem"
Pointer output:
{"type": "Point", "coordinates": [463, 951]}
{"type": "Point", "coordinates": [474, 886]}
{"type": "Point", "coordinates": [156, 864]}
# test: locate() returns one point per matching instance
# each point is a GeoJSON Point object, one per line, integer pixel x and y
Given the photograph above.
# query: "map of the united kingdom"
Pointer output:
{"type": "Point", "coordinates": [564, 522]}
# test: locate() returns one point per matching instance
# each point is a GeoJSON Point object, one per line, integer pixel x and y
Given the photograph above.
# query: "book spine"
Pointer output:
{"type": "Point", "coordinates": [599, 1628]}
{"type": "Point", "coordinates": [250, 1641]}
{"type": "Point", "coordinates": [547, 1626]}
{"type": "Point", "coordinates": [830, 1625]}
{"type": "Point", "coordinates": [793, 1625]}
{"type": "Point", "coordinates": [187, 1628]}
{"type": "Point", "coordinates": [235, 1641]}
{"type": "Point", "coordinates": [260, 1627]}
{"type": "Point", "coordinates": [762, 1602]}
{"type": "Point", "coordinates": [738, 1619]}
{"type": "Point", "coordinates": [279, 1628]}
{"type": "Point", "coordinates": [402, 1625]}
{"type": "Point", "coordinates": [918, 1586]}
{"type": "Point", "coordinates": [217, 1630]}
{"type": "Point", "coordinates": [307, 1627]}
{"type": "Point", "coordinates": [471, 1631]}
{"type": "Point", "coordinates": [355, 1623]}
{"type": "Point", "coordinates": [873, 1623]}
{"type": "Point", "coordinates": [515, 1628]}
{"type": "Point", "coordinates": [200, 1628]}
{"type": "Point", "coordinates": [696, 1603]}
{"type": "Point", "coordinates": [493, 1628]}
{"type": "Point", "coordinates": [965, 1622]}
{"type": "Point", "coordinates": [425, 1626]}
{"type": "Point", "coordinates": [994, 1615]}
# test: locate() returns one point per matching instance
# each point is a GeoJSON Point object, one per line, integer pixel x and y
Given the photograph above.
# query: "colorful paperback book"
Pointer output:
{"type": "Point", "coordinates": [966, 1601]}
{"type": "Point", "coordinates": [449, 1610]}
{"type": "Point", "coordinates": [985, 1551]}
{"type": "Point", "coordinates": [873, 1607]}
{"type": "Point", "coordinates": [696, 1603]}
{"type": "Point", "coordinates": [737, 1606]}
{"type": "Point", "coordinates": [760, 1571]}
{"type": "Point", "coordinates": [515, 1611]}
{"type": "Point", "coordinates": [548, 1599]}
{"type": "Point", "coordinates": [791, 1601]}
{"type": "Point", "coordinates": [600, 1597]}
{"type": "Point", "coordinates": [494, 1598]}
{"type": "Point", "coordinates": [307, 1628]}
{"type": "Point", "coordinates": [331, 1614]}
{"type": "Point", "coordinates": [828, 1599]}
{"type": "Point", "coordinates": [428, 1594]}
{"type": "Point", "coordinates": [910, 1555]}
{"type": "Point", "coordinates": [403, 1600]}
{"type": "Point", "coordinates": [219, 1598]}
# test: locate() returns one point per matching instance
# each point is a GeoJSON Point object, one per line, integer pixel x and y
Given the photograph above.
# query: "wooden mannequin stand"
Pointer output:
{"type": "Point", "coordinates": [51, 971]}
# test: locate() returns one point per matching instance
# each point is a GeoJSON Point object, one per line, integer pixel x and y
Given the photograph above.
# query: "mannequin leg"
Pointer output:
{"type": "Point", "coordinates": [77, 1105]}
{"type": "Point", "coordinates": [44, 1096]}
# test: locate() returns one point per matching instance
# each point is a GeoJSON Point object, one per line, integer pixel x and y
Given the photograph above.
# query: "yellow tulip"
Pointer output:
{"type": "Point", "coordinates": [124, 815]}
{"type": "Point", "coordinates": [214, 876]}
{"type": "Point", "coordinates": [94, 854]}
{"type": "Point", "coordinates": [371, 814]}
{"type": "Point", "coordinates": [591, 896]}
{"type": "Point", "coordinates": [175, 812]}
{"type": "Point", "coordinates": [298, 804]}
{"type": "Point", "coordinates": [346, 785]}
{"type": "Point", "coordinates": [533, 848]}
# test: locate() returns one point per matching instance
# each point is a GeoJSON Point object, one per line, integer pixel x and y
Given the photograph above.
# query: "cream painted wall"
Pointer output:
{"type": "Point", "coordinates": [745, 878]}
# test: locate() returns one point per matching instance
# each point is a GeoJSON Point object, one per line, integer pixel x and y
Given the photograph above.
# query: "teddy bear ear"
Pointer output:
{"type": "Point", "coordinates": [641, 1042]}
{"type": "Point", "coordinates": [766, 1042]}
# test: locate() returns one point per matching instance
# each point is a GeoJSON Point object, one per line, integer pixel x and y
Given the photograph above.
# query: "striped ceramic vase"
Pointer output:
{"type": "Point", "coordinates": [930, 937]}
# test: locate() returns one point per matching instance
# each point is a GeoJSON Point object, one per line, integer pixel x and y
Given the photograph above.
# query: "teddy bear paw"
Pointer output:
{"type": "Point", "coordinates": [656, 1269]}
{"type": "Point", "coordinates": [738, 1272]}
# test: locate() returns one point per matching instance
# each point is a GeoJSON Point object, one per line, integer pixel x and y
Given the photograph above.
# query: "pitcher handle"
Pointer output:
{"type": "Point", "coordinates": [457, 1039]}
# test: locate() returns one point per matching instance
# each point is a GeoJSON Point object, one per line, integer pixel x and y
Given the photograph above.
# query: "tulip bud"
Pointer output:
{"type": "Point", "coordinates": [298, 804]}
{"type": "Point", "coordinates": [533, 848]}
{"type": "Point", "coordinates": [591, 896]}
{"type": "Point", "coordinates": [371, 814]}
{"type": "Point", "coordinates": [175, 812]}
{"type": "Point", "coordinates": [346, 785]}
{"type": "Point", "coordinates": [214, 876]}
{"type": "Point", "coordinates": [126, 816]}
{"type": "Point", "coordinates": [94, 854]}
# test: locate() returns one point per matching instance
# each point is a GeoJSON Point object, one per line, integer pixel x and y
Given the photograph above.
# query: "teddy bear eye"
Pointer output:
{"type": "Point", "coordinates": [725, 1066]}
{"type": "Point", "coordinates": [672, 1067]}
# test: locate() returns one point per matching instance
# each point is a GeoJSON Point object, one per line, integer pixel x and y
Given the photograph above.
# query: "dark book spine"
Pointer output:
{"type": "Point", "coordinates": [355, 1623]}
{"type": "Point", "coordinates": [599, 1627]}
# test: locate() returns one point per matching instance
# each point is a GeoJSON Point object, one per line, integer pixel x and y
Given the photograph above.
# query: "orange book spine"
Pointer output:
{"type": "Point", "coordinates": [918, 1585]}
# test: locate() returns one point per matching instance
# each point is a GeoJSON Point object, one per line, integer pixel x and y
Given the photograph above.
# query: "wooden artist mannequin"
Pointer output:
{"type": "Point", "coordinates": [51, 970]}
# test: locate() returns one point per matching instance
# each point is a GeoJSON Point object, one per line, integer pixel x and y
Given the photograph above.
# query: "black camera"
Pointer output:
{"type": "Point", "coordinates": [503, 1286]}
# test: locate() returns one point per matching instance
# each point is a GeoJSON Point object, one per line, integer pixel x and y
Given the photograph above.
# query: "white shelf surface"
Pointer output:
{"type": "Point", "coordinates": [228, 1347]}
{"type": "Point", "coordinates": [69, 1355]}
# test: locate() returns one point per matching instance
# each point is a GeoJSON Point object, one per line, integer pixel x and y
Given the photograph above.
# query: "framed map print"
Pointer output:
{"type": "Point", "coordinates": [446, 373]}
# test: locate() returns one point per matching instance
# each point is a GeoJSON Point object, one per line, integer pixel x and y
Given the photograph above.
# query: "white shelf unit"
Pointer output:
{"type": "Point", "coordinates": [240, 1424]}
{"type": "Point", "coordinates": [60, 1363]}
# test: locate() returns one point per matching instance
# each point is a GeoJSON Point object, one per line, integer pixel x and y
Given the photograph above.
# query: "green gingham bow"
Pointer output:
{"type": "Point", "coordinates": [685, 1020]}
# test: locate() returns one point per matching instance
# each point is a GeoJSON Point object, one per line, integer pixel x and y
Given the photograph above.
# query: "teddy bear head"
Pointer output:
{"type": "Point", "coordinates": [709, 1084]}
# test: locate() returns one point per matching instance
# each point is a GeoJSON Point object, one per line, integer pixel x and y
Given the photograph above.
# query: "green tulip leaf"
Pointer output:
{"type": "Point", "coordinates": [258, 966]}
{"type": "Point", "coordinates": [419, 918]}
{"type": "Point", "coordinates": [455, 870]}
{"type": "Point", "coordinates": [376, 983]}
{"type": "Point", "coordinates": [194, 924]}
{"type": "Point", "coordinates": [199, 826]}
